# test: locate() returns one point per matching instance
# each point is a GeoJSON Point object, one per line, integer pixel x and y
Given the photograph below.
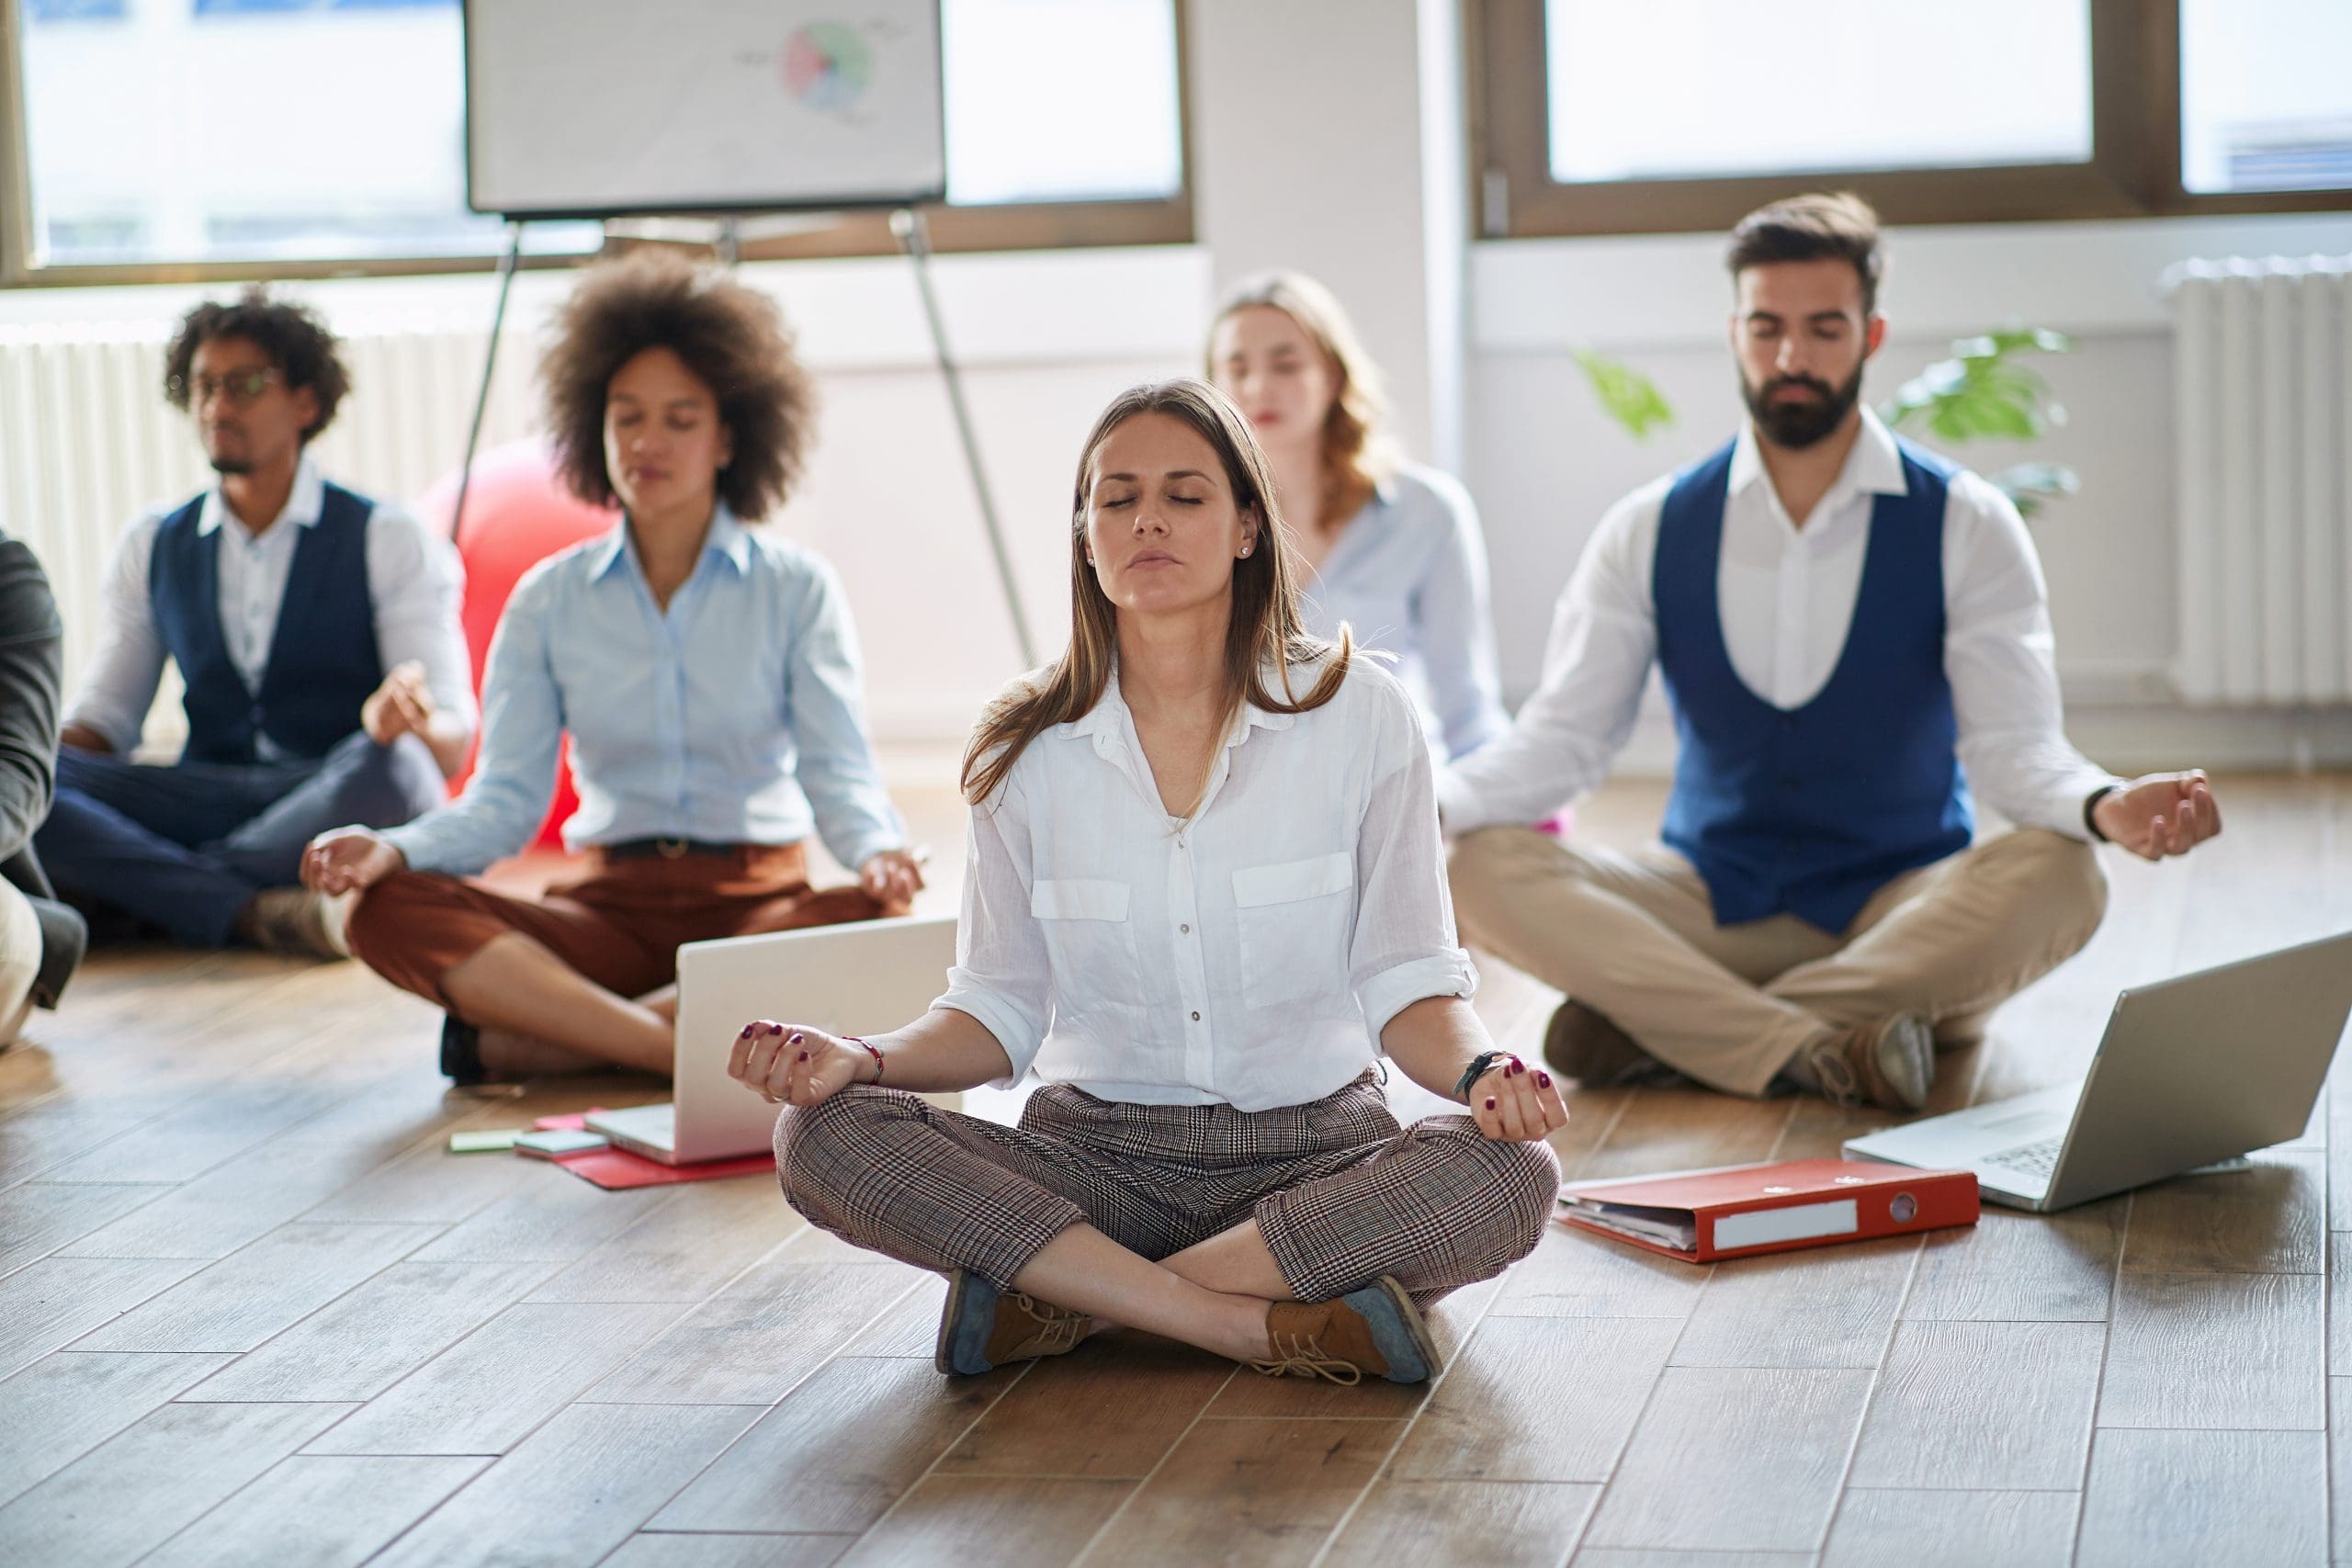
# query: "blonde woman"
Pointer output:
{"type": "Point", "coordinates": [1206, 893]}
{"type": "Point", "coordinates": [1390, 548]}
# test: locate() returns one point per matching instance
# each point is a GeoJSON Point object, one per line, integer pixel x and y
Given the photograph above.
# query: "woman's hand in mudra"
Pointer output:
{"type": "Point", "coordinates": [1516, 1102]}
{"type": "Point", "coordinates": [794, 1063]}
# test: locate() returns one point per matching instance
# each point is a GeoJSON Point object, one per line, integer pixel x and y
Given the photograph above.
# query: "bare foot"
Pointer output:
{"type": "Point", "coordinates": [506, 1054]}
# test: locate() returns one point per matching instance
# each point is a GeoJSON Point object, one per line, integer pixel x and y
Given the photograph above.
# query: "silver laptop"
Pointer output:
{"type": "Point", "coordinates": [861, 978]}
{"type": "Point", "coordinates": [2191, 1071]}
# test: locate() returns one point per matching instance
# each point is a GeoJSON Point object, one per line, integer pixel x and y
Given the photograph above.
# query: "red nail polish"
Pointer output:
{"type": "Point", "coordinates": [804, 1055]}
{"type": "Point", "coordinates": [796, 1038]}
{"type": "Point", "coordinates": [1544, 1078]}
{"type": "Point", "coordinates": [1490, 1102]}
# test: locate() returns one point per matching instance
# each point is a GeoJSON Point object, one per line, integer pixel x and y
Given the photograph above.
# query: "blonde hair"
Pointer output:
{"type": "Point", "coordinates": [1356, 451]}
{"type": "Point", "coordinates": [1265, 631]}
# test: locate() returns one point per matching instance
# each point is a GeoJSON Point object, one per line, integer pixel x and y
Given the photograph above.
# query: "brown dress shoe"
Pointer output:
{"type": "Point", "coordinates": [982, 1327]}
{"type": "Point", "coordinates": [296, 923]}
{"type": "Point", "coordinates": [1890, 1064]}
{"type": "Point", "coordinates": [1376, 1330]}
{"type": "Point", "coordinates": [1583, 1044]}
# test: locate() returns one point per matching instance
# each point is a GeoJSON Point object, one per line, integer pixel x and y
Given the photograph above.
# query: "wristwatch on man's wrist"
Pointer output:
{"type": "Point", "coordinates": [2090, 811]}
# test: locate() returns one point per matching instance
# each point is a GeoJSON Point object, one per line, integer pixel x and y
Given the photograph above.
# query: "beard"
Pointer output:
{"type": "Point", "coordinates": [230, 465]}
{"type": "Point", "coordinates": [1801, 424]}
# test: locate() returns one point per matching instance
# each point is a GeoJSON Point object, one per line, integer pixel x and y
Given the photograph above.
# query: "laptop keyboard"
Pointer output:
{"type": "Point", "coordinates": [2031, 1159]}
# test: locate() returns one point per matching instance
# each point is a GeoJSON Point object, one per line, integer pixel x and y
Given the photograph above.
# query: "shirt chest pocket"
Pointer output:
{"type": "Point", "coordinates": [1089, 938]}
{"type": "Point", "coordinates": [1295, 919]}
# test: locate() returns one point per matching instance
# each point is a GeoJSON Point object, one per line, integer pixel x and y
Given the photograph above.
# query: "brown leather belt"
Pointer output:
{"type": "Point", "coordinates": [665, 849]}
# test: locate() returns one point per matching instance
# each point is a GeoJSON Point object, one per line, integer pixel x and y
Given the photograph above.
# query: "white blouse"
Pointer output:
{"type": "Point", "coordinates": [1251, 954]}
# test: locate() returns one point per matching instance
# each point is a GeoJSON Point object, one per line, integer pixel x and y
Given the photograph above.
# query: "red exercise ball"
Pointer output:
{"type": "Point", "coordinates": [517, 515]}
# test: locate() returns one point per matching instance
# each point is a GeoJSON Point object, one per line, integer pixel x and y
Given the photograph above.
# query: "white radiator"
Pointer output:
{"type": "Point", "coordinates": [87, 442]}
{"type": "Point", "coordinates": [2262, 377]}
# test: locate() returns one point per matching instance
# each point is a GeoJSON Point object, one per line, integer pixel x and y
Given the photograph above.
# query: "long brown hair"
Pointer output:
{"type": "Point", "coordinates": [1356, 451]}
{"type": "Point", "coordinates": [1264, 632]}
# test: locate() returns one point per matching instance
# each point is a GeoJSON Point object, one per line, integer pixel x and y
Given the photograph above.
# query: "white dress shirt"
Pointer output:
{"type": "Point", "coordinates": [1251, 954]}
{"type": "Point", "coordinates": [1786, 595]}
{"type": "Point", "coordinates": [413, 576]}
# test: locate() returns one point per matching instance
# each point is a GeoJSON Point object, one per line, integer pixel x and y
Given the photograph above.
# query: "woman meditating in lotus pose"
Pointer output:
{"type": "Point", "coordinates": [1206, 892]}
{"type": "Point", "coordinates": [706, 672]}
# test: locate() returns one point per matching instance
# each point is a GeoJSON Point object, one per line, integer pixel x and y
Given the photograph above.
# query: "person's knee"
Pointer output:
{"type": "Point", "coordinates": [1486, 853]}
{"type": "Point", "coordinates": [76, 769]}
{"type": "Point", "coordinates": [386, 785]}
{"type": "Point", "coordinates": [2066, 876]}
{"type": "Point", "coordinates": [393, 910]}
{"type": "Point", "coordinates": [820, 1148]}
{"type": "Point", "coordinates": [1520, 1182]}
{"type": "Point", "coordinates": [1529, 1174]}
{"type": "Point", "coordinates": [1486, 866]}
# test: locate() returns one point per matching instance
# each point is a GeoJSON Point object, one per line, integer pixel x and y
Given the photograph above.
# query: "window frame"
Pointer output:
{"type": "Point", "coordinates": [2133, 171]}
{"type": "Point", "coordinates": [1022, 226]}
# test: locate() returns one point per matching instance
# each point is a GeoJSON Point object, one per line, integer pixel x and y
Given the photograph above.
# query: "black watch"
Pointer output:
{"type": "Point", "coordinates": [2090, 811]}
{"type": "Point", "coordinates": [1480, 1065]}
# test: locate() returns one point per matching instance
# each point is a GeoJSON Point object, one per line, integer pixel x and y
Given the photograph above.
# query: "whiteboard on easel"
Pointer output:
{"type": "Point", "coordinates": [599, 108]}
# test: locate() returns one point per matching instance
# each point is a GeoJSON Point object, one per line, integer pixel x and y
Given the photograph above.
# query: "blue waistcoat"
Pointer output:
{"type": "Point", "coordinates": [324, 661]}
{"type": "Point", "coordinates": [1810, 810]}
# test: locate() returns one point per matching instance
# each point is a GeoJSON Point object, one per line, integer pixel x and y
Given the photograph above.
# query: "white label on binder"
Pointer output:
{"type": "Point", "coordinates": [1761, 1227]}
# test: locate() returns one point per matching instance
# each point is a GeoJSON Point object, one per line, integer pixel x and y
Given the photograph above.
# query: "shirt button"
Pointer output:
{"type": "Point", "coordinates": [1196, 1018]}
{"type": "Point", "coordinates": [1186, 930]}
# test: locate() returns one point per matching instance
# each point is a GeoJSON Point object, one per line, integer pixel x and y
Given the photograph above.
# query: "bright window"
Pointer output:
{"type": "Point", "coordinates": [1021, 73]}
{"type": "Point", "coordinates": [168, 131]}
{"type": "Point", "coordinates": [2266, 96]}
{"type": "Point", "coordinates": [1681, 89]}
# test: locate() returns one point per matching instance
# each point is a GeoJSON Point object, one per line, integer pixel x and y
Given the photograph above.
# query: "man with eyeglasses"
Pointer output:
{"type": "Point", "coordinates": [315, 631]}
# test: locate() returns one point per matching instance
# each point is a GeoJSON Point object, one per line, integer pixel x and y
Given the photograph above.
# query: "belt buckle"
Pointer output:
{"type": "Point", "coordinates": [669, 849]}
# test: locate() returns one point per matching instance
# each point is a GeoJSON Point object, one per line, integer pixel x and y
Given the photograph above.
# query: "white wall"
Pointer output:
{"type": "Point", "coordinates": [1044, 341]}
{"type": "Point", "coordinates": [1325, 136]}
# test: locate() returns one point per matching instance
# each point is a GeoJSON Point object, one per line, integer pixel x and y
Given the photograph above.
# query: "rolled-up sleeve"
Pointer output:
{"type": "Point", "coordinates": [826, 699]}
{"type": "Point", "coordinates": [1002, 976]}
{"type": "Point", "coordinates": [419, 585]}
{"type": "Point", "coordinates": [126, 663]}
{"type": "Point", "coordinates": [522, 731]}
{"type": "Point", "coordinates": [1404, 947]}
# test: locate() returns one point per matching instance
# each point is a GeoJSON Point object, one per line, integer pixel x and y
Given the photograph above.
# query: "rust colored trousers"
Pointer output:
{"type": "Point", "coordinates": [620, 925]}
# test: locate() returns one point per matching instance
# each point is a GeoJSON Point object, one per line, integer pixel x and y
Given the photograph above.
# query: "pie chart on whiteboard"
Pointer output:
{"type": "Point", "coordinates": [827, 66]}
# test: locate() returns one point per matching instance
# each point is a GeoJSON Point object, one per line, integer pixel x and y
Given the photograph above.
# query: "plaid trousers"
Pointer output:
{"type": "Point", "coordinates": [1342, 1193]}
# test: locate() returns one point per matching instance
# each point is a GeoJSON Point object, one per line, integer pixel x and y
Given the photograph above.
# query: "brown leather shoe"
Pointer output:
{"type": "Point", "coordinates": [1890, 1064]}
{"type": "Point", "coordinates": [982, 1327]}
{"type": "Point", "coordinates": [298, 923]}
{"type": "Point", "coordinates": [1376, 1330]}
{"type": "Point", "coordinates": [1583, 1044]}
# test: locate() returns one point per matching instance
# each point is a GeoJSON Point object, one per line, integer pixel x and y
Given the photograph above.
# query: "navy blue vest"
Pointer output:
{"type": "Point", "coordinates": [1812, 810]}
{"type": "Point", "coordinates": [323, 658]}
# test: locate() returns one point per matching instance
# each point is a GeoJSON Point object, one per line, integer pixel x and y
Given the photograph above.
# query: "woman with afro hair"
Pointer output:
{"type": "Point", "coordinates": [707, 674]}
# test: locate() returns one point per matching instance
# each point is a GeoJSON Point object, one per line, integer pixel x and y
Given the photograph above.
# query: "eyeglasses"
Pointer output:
{"type": "Point", "coordinates": [240, 387]}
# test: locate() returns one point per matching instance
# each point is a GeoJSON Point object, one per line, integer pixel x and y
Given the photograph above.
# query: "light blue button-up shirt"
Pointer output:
{"type": "Point", "coordinates": [735, 717]}
{"type": "Point", "coordinates": [1408, 574]}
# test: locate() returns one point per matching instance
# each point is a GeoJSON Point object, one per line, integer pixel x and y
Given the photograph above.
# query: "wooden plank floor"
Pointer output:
{"type": "Point", "coordinates": [252, 1313]}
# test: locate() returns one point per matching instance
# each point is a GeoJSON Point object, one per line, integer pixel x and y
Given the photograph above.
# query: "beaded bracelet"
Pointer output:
{"type": "Point", "coordinates": [870, 1051]}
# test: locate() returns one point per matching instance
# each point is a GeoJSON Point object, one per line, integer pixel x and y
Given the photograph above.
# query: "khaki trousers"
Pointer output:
{"type": "Point", "coordinates": [1634, 937]}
